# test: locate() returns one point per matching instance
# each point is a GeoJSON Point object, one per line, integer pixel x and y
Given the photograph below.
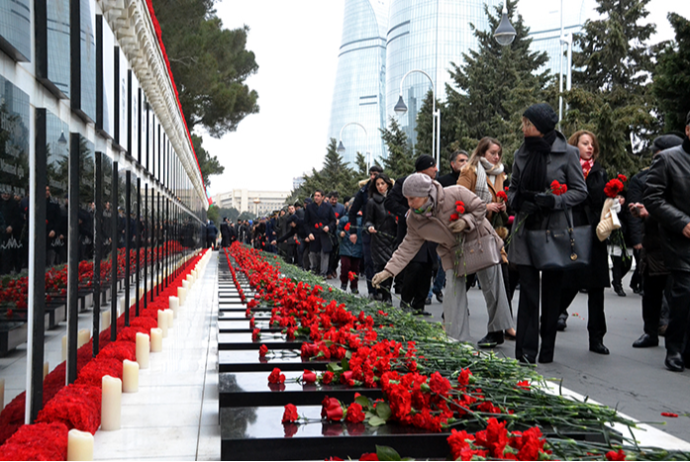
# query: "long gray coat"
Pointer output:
{"type": "Point", "coordinates": [563, 165]}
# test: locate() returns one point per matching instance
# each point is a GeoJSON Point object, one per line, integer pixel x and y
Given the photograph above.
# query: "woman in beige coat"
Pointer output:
{"type": "Point", "coordinates": [429, 219]}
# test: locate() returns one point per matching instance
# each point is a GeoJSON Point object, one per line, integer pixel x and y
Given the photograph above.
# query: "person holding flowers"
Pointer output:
{"type": "Point", "coordinates": [595, 277]}
{"type": "Point", "coordinates": [484, 175]}
{"type": "Point", "coordinates": [544, 158]}
{"type": "Point", "coordinates": [450, 217]}
{"type": "Point", "coordinates": [381, 226]}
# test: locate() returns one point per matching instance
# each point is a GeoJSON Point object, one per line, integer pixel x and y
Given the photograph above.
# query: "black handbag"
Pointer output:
{"type": "Point", "coordinates": [560, 247]}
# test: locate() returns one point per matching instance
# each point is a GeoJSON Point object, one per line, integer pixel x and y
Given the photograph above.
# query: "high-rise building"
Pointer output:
{"type": "Point", "coordinates": [427, 35]}
{"type": "Point", "coordinates": [382, 41]}
{"type": "Point", "coordinates": [359, 95]}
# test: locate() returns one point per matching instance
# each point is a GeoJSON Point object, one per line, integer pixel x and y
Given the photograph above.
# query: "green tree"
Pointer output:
{"type": "Point", "coordinates": [361, 163]}
{"type": "Point", "coordinates": [610, 96]}
{"type": "Point", "coordinates": [209, 63]}
{"type": "Point", "coordinates": [209, 164]}
{"type": "Point", "coordinates": [424, 128]}
{"type": "Point", "coordinates": [400, 160]}
{"type": "Point", "coordinates": [671, 86]}
{"type": "Point", "coordinates": [495, 85]}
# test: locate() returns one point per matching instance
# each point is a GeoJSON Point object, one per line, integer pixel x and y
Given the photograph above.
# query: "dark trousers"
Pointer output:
{"type": "Point", "coordinates": [349, 265]}
{"type": "Point", "coordinates": [636, 280]}
{"type": "Point", "coordinates": [619, 270]}
{"type": "Point", "coordinates": [528, 322]}
{"type": "Point", "coordinates": [678, 303]}
{"type": "Point", "coordinates": [506, 283]}
{"type": "Point", "coordinates": [596, 324]}
{"type": "Point", "coordinates": [333, 259]}
{"type": "Point", "coordinates": [416, 284]}
{"type": "Point", "coordinates": [368, 262]}
{"type": "Point", "coordinates": [304, 249]}
{"type": "Point", "coordinates": [653, 287]}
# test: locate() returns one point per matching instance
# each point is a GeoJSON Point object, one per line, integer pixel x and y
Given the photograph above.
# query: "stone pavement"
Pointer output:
{"type": "Point", "coordinates": [632, 380]}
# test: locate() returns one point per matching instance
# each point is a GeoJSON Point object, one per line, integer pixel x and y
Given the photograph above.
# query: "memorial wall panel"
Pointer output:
{"type": "Point", "coordinates": [58, 46]}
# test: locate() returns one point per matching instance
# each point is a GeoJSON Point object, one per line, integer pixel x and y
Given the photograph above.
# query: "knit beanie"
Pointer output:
{"type": "Point", "coordinates": [424, 162]}
{"type": "Point", "coordinates": [417, 185]}
{"type": "Point", "coordinates": [663, 142]}
{"type": "Point", "coordinates": [542, 116]}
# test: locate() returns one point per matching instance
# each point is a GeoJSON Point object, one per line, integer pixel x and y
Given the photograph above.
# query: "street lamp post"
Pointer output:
{"type": "Point", "coordinates": [567, 40]}
{"type": "Point", "coordinates": [341, 148]}
{"type": "Point", "coordinates": [505, 32]}
{"type": "Point", "coordinates": [401, 108]}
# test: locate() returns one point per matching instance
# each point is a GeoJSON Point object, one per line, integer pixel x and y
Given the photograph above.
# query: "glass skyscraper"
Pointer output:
{"type": "Point", "coordinates": [359, 95]}
{"type": "Point", "coordinates": [382, 41]}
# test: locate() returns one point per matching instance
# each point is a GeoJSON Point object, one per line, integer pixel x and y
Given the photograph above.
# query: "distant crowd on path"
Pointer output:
{"type": "Point", "coordinates": [414, 236]}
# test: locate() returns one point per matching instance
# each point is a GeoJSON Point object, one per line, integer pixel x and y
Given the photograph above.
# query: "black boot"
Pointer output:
{"type": "Point", "coordinates": [646, 341]}
{"type": "Point", "coordinates": [562, 319]}
{"type": "Point", "coordinates": [597, 346]}
{"type": "Point", "coordinates": [491, 340]}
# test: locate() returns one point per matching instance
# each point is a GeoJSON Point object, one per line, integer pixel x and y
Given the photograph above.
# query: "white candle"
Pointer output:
{"type": "Point", "coordinates": [105, 320]}
{"type": "Point", "coordinates": [130, 376]}
{"type": "Point", "coordinates": [182, 295]}
{"type": "Point", "coordinates": [174, 304]}
{"type": "Point", "coordinates": [156, 340]}
{"type": "Point", "coordinates": [46, 369]}
{"type": "Point", "coordinates": [111, 403]}
{"type": "Point", "coordinates": [143, 348]}
{"type": "Point", "coordinates": [64, 348]}
{"type": "Point", "coordinates": [79, 445]}
{"type": "Point", "coordinates": [141, 292]}
{"type": "Point", "coordinates": [122, 306]}
{"type": "Point", "coordinates": [83, 337]}
{"type": "Point", "coordinates": [170, 315]}
{"type": "Point", "coordinates": [163, 323]}
{"type": "Point", "coordinates": [185, 284]}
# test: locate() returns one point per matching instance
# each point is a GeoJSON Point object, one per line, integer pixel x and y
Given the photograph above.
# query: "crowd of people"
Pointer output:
{"type": "Point", "coordinates": [554, 226]}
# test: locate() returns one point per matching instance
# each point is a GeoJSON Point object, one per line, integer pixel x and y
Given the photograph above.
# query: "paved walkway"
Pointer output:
{"type": "Point", "coordinates": [632, 380]}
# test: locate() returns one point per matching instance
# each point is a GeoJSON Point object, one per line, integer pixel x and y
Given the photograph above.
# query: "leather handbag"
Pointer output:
{"type": "Point", "coordinates": [479, 254]}
{"type": "Point", "coordinates": [560, 247]}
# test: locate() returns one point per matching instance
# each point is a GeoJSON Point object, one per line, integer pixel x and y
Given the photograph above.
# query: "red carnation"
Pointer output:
{"type": "Point", "coordinates": [369, 456]}
{"type": "Point", "coordinates": [454, 217]}
{"type": "Point", "coordinates": [622, 178]}
{"type": "Point", "coordinates": [290, 414]}
{"type": "Point", "coordinates": [352, 276]}
{"type": "Point", "coordinates": [347, 227]}
{"type": "Point", "coordinates": [256, 334]}
{"type": "Point", "coordinates": [669, 414]}
{"type": "Point", "coordinates": [459, 443]}
{"type": "Point", "coordinates": [354, 413]}
{"type": "Point", "coordinates": [309, 376]}
{"type": "Point", "coordinates": [612, 455]}
{"type": "Point", "coordinates": [613, 188]}
{"type": "Point", "coordinates": [276, 376]}
{"type": "Point", "coordinates": [331, 410]}
{"type": "Point", "coordinates": [502, 196]}
{"type": "Point", "coordinates": [263, 350]}
{"type": "Point", "coordinates": [327, 377]}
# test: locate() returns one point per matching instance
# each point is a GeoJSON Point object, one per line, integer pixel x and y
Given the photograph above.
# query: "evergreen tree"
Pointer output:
{"type": "Point", "coordinates": [671, 86]}
{"type": "Point", "coordinates": [424, 130]}
{"type": "Point", "coordinates": [495, 85]}
{"type": "Point", "coordinates": [610, 96]}
{"type": "Point", "coordinates": [361, 163]}
{"type": "Point", "coordinates": [400, 160]}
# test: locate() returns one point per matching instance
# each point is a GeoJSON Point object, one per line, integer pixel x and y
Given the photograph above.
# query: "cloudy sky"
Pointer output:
{"type": "Point", "coordinates": [296, 45]}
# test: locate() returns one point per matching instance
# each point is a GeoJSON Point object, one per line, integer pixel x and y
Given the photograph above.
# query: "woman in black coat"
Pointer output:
{"type": "Point", "coordinates": [594, 278]}
{"type": "Point", "coordinates": [382, 227]}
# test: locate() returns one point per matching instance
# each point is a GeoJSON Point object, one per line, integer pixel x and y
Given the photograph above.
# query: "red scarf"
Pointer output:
{"type": "Point", "coordinates": [586, 166]}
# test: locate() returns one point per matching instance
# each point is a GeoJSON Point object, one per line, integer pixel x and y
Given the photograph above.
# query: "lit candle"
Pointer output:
{"type": "Point", "coordinates": [185, 284]}
{"type": "Point", "coordinates": [174, 304]}
{"type": "Point", "coordinates": [105, 320]}
{"type": "Point", "coordinates": [83, 337]}
{"type": "Point", "coordinates": [130, 376]}
{"type": "Point", "coordinates": [156, 340]}
{"type": "Point", "coordinates": [170, 315]}
{"type": "Point", "coordinates": [143, 348]}
{"type": "Point", "coordinates": [111, 401]}
{"type": "Point", "coordinates": [46, 369]}
{"type": "Point", "coordinates": [163, 323]}
{"type": "Point", "coordinates": [79, 445]}
{"type": "Point", "coordinates": [182, 295]}
{"type": "Point", "coordinates": [64, 348]}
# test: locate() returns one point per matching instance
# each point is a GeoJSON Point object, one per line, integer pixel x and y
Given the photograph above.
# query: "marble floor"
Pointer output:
{"type": "Point", "coordinates": [174, 415]}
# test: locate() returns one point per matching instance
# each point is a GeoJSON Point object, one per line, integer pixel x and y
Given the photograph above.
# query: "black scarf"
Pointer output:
{"type": "Point", "coordinates": [533, 177]}
{"type": "Point", "coordinates": [686, 145]}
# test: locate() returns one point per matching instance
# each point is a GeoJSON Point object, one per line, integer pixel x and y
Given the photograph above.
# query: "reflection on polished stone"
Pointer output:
{"type": "Point", "coordinates": [252, 433]}
{"type": "Point", "coordinates": [241, 341]}
{"type": "Point", "coordinates": [242, 325]}
{"type": "Point", "coordinates": [249, 361]}
{"type": "Point", "coordinates": [225, 315]}
{"type": "Point", "coordinates": [252, 389]}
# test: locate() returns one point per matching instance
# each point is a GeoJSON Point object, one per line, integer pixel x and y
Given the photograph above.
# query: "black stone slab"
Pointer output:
{"type": "Point", "coordinates": [249, 361]}
{"type": "Point", "coordinates": [241, 341]}
{"type": "Point", "coordinates": [242, 308]}
{"type": "Point", "coordinates": [243, 389]}
{"type": "Point", "coordinates": [225, 315]}
{"type": "Point", "coordinates": [252, 433]}
{"type": "Point", "coordinates": [242, 325]}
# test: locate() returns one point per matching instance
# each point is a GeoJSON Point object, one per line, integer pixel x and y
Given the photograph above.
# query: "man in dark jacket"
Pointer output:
{"type": "Point", "coordinates": [457, 161]}
{"type": "Point", "coordinates": [211, 235]}
{"type": "Point", "coordinates": [360, 204]}
{"type": "Point", "coordinates": [635, 193]}
{"type": "Point", "coordinates": [666, 199]}
{"type": "Point", "coordinates": [225, 232]}
{"type": "Point", "coordinates": [320, 220]}
{"type": "Point", "coordinates": [417, 274]}
{"type": "Point", "coordinates": [303, 246]}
